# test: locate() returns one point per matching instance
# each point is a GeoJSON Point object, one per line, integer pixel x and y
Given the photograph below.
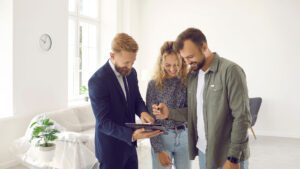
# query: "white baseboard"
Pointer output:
{"type": "Point", "coordinates": [9, 164]}
{"type": "Point", "coordinates": [277, 133]}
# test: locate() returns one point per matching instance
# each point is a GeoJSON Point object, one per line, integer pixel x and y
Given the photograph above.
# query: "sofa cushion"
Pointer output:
{"type": "Point", "coordinates": [67, 118]}
{"type": "Point", "coordinates": [85, 116]}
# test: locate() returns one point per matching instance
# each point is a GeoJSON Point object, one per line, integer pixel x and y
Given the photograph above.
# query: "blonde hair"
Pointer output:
{"type": "Point", "coordinates": [168, 48]}
{"type": "Point", "coordinates": [123, 41]}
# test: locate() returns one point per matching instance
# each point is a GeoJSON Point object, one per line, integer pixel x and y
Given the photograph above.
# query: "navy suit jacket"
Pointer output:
{"type": "Point", "coordinates": [113, 140]}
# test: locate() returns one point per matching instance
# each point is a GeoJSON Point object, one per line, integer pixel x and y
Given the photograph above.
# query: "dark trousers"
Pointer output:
{"type": "Point", "coordinates": [128, 162]}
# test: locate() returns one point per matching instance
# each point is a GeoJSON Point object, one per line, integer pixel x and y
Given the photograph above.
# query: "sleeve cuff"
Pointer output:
{"type": "Point", "coordinates": [236, 150]}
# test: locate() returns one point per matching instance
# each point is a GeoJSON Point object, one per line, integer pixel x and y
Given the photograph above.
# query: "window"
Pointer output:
{"type": "Point", "coordinates": [83, 44]}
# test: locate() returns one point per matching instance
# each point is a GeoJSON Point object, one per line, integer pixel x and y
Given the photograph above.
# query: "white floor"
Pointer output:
{"type": "Point", "coordinates": [266, 153]}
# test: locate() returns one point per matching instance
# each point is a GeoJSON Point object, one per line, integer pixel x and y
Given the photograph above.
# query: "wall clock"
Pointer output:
{"type": "Point", "coordinates": [45, 42]}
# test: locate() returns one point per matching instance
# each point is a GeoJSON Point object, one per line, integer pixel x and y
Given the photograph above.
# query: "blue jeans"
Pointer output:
{"type": "Point", "coordinates": [202, 162]}
{"type": "Point", "coordinates": [176, 145]}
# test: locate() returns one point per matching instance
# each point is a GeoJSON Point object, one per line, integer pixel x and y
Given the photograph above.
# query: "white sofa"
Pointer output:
{"type": "Point", "coordinates": [79, 119]}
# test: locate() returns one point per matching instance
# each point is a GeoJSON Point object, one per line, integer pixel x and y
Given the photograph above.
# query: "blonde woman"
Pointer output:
{"type": "Point", "coordinates": [168, 86]}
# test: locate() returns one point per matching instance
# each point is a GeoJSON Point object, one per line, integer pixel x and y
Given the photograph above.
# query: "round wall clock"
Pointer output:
{"type": "Point", "coordinates": [45, 42]}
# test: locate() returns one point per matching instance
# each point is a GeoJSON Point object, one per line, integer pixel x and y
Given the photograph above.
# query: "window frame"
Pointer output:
{"type": "Point", "coordinates": [77, 18]}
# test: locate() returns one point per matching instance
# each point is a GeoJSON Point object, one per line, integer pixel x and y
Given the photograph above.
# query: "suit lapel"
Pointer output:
{"type": "Point", "coordinates": [117, 85]}
{"type": "Point", "coordinates": [115, 81]}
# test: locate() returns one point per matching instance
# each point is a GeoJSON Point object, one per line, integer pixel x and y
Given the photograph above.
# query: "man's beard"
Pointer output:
{"type": "Point", "coordinates": [198, 66]}
{"type": "Point", "coordinates": [124, 71]}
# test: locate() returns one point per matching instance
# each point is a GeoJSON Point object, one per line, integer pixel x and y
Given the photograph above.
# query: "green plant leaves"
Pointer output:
{"type": "Point", "coordinates": [43, 132]}
{"type": "Point", "coordinates": [50, 137]}
{"type": "Point", "coordinates": [37, 130]}
{"type": "Point", "coordinates": [47, 122]}
{"type": "Point", "coordinates": [83, 90]}
{"type": "Point", "coordinates": [33, 124]}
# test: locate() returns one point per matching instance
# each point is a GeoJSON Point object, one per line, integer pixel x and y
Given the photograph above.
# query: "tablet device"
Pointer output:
{"type": "Point", "coordinates": [147, 127]}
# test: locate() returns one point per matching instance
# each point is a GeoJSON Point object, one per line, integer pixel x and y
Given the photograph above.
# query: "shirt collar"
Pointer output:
{"type": "Point", "coordinates": [114, 68]}
{"type": "Point", "coordinates": [212, 68]}
{"type": "Point", "coordinates": [215, 63]}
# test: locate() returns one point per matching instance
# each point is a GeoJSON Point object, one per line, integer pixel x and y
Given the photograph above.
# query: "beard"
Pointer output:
{"type": "Point", "coordinates": [124, 71]}
{"type": "Point", "coordinates": [195, 66]}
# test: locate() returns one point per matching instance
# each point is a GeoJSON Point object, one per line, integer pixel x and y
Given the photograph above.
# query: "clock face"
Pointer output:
{"type": "Point", "coordinates": [45, 42]}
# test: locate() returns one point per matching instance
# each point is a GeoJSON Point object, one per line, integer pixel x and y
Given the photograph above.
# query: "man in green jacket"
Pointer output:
{"type": "Point", "coordinates": [218, 106]}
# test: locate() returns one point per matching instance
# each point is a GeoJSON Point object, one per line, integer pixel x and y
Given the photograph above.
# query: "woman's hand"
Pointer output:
{"type": "Point", "coordinates": [161, 111]}
{"type": "Point", "coordinates": [164, 159]}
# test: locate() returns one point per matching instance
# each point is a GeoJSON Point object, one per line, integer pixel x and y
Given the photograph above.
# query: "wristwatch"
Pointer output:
{"type": "Point", "coordinates": [233, 160]}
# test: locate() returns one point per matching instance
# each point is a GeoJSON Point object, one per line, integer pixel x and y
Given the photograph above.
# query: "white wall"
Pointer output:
{"type": "Point", "coordinates": [40, 77]}
{"type": "Point", "coordinates": [108, 27]}
{"type": "Point", "coordinates": [262, 36]}
{"type": "Point", "coordinates": [6, 55]}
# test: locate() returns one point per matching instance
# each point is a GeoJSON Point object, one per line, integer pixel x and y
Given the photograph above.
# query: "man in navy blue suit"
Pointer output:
{"type": "Point", "coordinates": [115, 100]}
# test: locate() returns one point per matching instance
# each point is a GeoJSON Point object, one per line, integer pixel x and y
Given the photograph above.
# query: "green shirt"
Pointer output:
{"type": "Point", "coordinates": [225, 111]}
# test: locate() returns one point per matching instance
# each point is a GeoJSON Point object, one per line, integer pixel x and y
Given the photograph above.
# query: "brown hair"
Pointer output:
{"type": "Point", "coordinates": [123, 41]}
{"type": "Point", "coordinates": [159, 73]}
{"type": "Point", "coordinates": [193, 34]}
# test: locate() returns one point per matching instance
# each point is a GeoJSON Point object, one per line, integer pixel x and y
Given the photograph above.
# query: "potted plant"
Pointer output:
{"type": "Point", "coordinates": [44, 134]}
{"type": "Point", "coordinates": [84, 91]}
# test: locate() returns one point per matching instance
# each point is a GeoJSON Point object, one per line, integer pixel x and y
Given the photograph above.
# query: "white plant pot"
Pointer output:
{"type": "Point", "coordinates": [46, 153]}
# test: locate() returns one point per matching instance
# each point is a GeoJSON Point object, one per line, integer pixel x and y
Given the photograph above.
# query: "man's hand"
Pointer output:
{"type": "Point", "coordinates": [141, 133]}
{"type": "Point", "coordinates": [161, 111]}
{"type": "Point", "coordinates": [146, 118]}
{"type": "Point", "coordinates": [230, 165]}
{"type": "Point", "coordinates": [164, 159]}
